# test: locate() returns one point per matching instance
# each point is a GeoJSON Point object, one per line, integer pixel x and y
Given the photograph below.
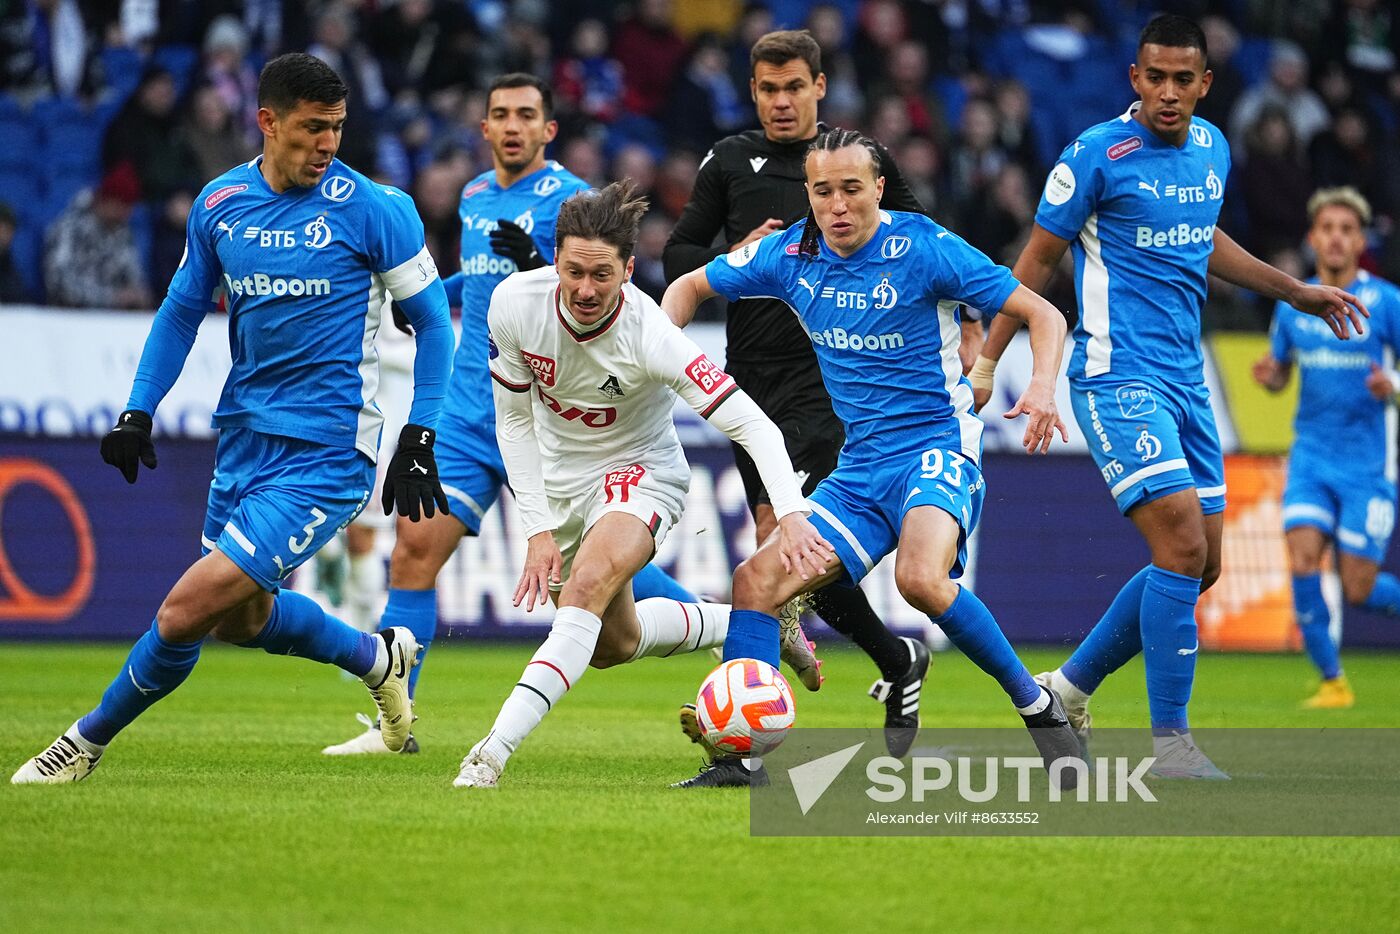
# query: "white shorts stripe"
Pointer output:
{"type": "Point", "coordinates": [1204, 491]}
{"type": "Point", "coordinates": [242, 540]}
{"type": "Point", "coordinates": [844, 532]}
{"type": "Point", "coordinates": [1352, 539]}
{"type": "Point", "coordinates": [465, 500]}
{"type": "Point", "coordinates": [1309, 511]}
{"type": "Point", "coordinates": [1149, 471]}
{"type": "Point", "coordinates": [206, 541]}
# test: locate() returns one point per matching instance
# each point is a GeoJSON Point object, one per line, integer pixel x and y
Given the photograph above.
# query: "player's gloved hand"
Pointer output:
{"type": "Point", "coordinates": [400, 319]}
{"type": "Point", "coordinates": [411, 481]}
{"type": "Point", "coordinates": [510, 240]}
{"type": "Point", "coordinates": [128, 445]}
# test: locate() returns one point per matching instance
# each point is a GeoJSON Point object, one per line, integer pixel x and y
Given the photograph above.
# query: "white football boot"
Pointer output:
{"type": "Point", "coordinates": [368, 743]}
{"type": "Point", "coordinates": [1178, 756]}
{"type": "Point", "coordinates": [479, 770]}
{"type": "Point", "coordinates": [391, 692]}
{"type": "Point", "coordinates": [64, 761]}
{"type": "Point", "coordinates": [1075, 702]}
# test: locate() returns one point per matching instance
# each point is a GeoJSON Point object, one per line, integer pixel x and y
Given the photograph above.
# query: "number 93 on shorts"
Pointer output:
{"type": "Point", "coordinates": [859, 508]}
{"type": "Point", "coordinates": [276, 501]}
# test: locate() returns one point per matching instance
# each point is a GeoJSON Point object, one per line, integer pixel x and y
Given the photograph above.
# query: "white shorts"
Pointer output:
{"type": "Point", "coordinates": [656, 496]}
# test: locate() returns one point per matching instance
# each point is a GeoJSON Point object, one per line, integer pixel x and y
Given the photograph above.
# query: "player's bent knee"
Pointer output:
{"type": "Point", "coordinates": [1356, 591]}
{"type": "Point", "coordinates": [755, 587]}
{"type": "Point", "coordinates": [926, 590]}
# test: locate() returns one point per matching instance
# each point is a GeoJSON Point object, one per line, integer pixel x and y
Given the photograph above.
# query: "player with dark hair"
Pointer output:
{"type": "Point", "coordinates": [909, 473]}
{"type": "Point", "coordinates": [1138, 197]}
{"type": "Point", "coordinates": [601, 479]}
{"type": "Point", "coordinates": [305, 249]}
{"type": "Point", "coordinates": [750, 185]}
{"type": "Point", "coordinates": [508, 215]}
{"type": "Point", "coordinates": [1341, 470]}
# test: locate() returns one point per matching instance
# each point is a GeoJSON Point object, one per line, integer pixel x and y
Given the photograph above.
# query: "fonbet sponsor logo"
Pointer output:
{"type": "Point", "coordinates": [972, 779]}
{"type": "Point", "coordinates": [1175, 236]}
{"type": "Point", "coordinates": [260, 284]}
{"type": "Point", "coordinates": [482, 264]}
{"type": "Point", "coordinates": [841, 339]}
{"type": "Point", "coordinates": [1097, 424]}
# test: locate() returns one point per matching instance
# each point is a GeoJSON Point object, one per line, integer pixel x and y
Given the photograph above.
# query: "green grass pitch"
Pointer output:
{"type": "Point", "coordinates": [216, 812]}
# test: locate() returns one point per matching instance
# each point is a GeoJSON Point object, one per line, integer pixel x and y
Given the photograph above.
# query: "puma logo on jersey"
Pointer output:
{"type": "Point", "coordinates": [757, 162]}
{"type": "Point", "coordinates": [1152, 188]}
{"type": "Point", "coordinates": [611, 388]}
{"type": "Point", "coordinates": [225, 227]}
{"type": "Point", "coordinates": [810, 287]}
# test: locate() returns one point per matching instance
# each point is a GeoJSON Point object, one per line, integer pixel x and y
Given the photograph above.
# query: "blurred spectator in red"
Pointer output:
{"type": "Point", "coordinates": [589, 81]}
{"type": "Point", "coordinates": [652, 54]}
{"type": "Point", "coordinates": [225, 67]}
{"type": "Point", "coordinates": [907, 80]}
{"type": "Point", "coordinates": [209, 133]}
{"type": "Point", "coordinates": [90, 255]}
{"type": "Point", "coordinates": [675, 181]}
{"type": "Point", "coordinates": [143, 136]}
{"type": "Point", "coordinates": [704, 104]}
{"type": "Point", "coordinates": [12, 288]}
{"type": "Point", "coordinates": [1276, 185]}
{"type": "Point", "coordinates": [1286, 88]}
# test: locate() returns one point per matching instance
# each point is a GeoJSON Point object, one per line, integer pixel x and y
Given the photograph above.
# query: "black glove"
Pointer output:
{"type": "Point", "coordinates": [400, 319]}
{"type": "Point", "coordinates": [511, 240]}
{"type": "Point", "coordinates": [130, 442]}
{"type": "Point", "coordinates": [412, 477]}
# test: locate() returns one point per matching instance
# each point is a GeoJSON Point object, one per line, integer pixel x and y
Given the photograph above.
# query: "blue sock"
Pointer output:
{"type": "Point", "coordinates": [1112, 642]}
{"type": "Point", "coordinates": [298, 626]}
{"type": "Point", "coordinates": [752, 635]}
{"type": "Point", "coordinates": [1315, 620]}
{"type": "Point", "coordinates": [152, 670]}
{"type": "Point", "coordinates": [1169, 645]}
{"type": "Point", "coordinates": [651, 581]}
{"type": "Point", "coordinates": [415, 610]}
{"type": "Point", "coordinates": [1385, 596]}
{"type": "Point", "coordinates": [969, 625]}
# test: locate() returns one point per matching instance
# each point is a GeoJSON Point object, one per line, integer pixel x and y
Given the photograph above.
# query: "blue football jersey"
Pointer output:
{"type": "Point", "coordinates": [532, 202]}
{"type": "Point", "coordinates": [305, 274]}
{"type": "Point", "coordinates": [1140, 214]}
{"type": "Point", "coordinates": [885, 326]}
{"type": "Point", "coordinates": [1339, 422]}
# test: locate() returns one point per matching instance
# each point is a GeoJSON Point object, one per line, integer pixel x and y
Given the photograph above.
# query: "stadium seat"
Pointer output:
{"type": "Point", "coordinates": [20, 135]}
{"type": "Point", "coordinates": [69, 145]}
{"type": "Point", "coordinates": [122, 69]}
{"type": "Point", "coordinates": [28, 254]}
{"type": "Point", "coordinates": [20, 190]}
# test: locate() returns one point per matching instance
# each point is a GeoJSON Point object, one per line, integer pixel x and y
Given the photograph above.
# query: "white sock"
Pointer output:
{"type": "Point", "coordinates": [669, 627]}
{"type": "Point", "coordinates": [1070, 694]}
{"type": "Point", "coordinates": [376, 674]}
{"type": "Point", "coordinates": [364, 588]}
{"type": "Point", "coordinates": [85, 744]}
{"type": "Point", "coordinates": [554, 668]}
{"type": "Point", "coordinates": [1035, 706]}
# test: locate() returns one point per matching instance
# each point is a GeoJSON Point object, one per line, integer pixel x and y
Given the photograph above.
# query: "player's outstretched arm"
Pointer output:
{"type": "Point", "coordinates": [1233, 263]}
{"type": "Point", "coordinates": [1034, 267]}
{"type": "Point", "coordinates": [173, 331]}
{"type": "Point", "coordinates": [411, 484]}
{"type": "Point", "coordinates": [1037, 403]}
{"type": "Point", "coordinates": [685, 295]}
{"type": "Point", "coordinates": [520, 452]}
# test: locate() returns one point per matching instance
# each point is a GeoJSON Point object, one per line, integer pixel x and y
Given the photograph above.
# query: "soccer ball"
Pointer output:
{"type": "Point", "coordinates": [745, 707]}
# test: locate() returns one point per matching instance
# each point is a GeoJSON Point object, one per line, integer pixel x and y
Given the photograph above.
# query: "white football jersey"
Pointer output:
{"type": "Point", "coordinates": [601, 397]}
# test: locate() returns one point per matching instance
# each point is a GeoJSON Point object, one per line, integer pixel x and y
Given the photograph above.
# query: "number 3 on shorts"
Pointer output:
{"type": "Point", "coordinates": [317, 518]}
{"type": "Point", "coordinates": [933, 466]}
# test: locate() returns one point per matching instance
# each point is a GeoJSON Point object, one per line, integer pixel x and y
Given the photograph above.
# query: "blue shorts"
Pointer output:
{"type": "Point", "coordinates": [1358, 512]}
{"type": "Point", "coordinates": [275, 501]}
{"type": "Point", "coordinates": [859, 508]}
{"type": "Point", "coordinates": [1151, 438]}
{"type": "Point", "coordinates": [470, 468]}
